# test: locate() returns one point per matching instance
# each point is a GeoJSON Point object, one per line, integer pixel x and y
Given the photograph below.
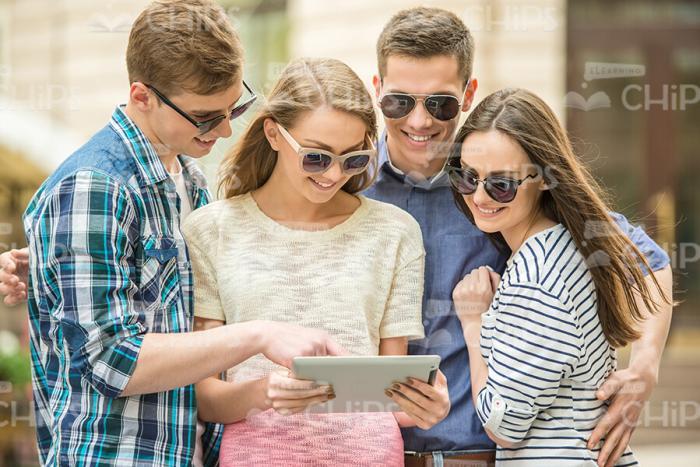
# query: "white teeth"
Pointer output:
{"type": "Point", "coordinates": [324, 185]}
{"type": "Point", "coordinates": [489, 211]}
{"type": "Point", "coordinates": [419, 139]}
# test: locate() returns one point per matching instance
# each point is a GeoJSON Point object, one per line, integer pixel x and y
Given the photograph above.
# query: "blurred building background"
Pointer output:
{"type": "Point", "coordinates": [624, 76]}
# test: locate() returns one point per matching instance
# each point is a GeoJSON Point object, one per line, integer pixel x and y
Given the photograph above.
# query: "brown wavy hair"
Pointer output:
{"type": "Point", "coordinates": [573, 199]}
{"type": "Point", "coordinates": [305, 84]}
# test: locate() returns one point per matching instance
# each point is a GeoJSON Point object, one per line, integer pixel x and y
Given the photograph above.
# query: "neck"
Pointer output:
{"type": "Point", "coordinates": [167, 156]}
{"type": "Point", "coordinates": [430, 166]}
{"type": "Point", "coordinates": [283, 203]}
{"type": "Point", "coordinates": [517, 235]}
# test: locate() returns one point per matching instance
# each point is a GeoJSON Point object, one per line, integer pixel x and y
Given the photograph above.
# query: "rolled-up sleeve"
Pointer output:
{"type": "Point", "coordinates": [535, 345]}
{"type": "Point", "coordinates": [82, 244]}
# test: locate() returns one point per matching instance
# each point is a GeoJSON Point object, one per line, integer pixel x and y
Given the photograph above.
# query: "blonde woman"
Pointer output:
{"type": "Point", "coordinates": [293, 242]}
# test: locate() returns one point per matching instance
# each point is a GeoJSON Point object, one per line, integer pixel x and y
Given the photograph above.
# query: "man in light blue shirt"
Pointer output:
{"type": "Point", "coordinates": [424, 84]}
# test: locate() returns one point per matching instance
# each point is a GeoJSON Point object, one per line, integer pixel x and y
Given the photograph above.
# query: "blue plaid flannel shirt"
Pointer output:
{"type": "Point", "coordinates": [109, 264]}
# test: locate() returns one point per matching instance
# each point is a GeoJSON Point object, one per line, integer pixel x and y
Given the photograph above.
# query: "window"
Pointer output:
{"type": "Point", "coordinates": [641, 104]}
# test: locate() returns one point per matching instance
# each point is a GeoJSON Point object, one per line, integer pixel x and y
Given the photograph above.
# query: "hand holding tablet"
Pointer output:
{"type": "Point", "coordinates": [360, 383]}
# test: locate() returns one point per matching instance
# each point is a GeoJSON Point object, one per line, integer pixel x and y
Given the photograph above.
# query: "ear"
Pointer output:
{"type": "Point", "coordinates": [272, 133]}
{"type": "Point", "coordinates": [377, 82]}
{"type": "Point", "coordinates": [469, 94]}
{"type": "Point", "coordinates": [140, 97]}
{"type": "Point", "coordinates": [544, 185]}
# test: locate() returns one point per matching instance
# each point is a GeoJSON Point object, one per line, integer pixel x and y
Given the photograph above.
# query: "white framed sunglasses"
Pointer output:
{"type": "Point", "coordinates": [317, 161]}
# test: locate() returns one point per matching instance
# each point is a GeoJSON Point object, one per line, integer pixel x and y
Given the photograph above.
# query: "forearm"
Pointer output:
{"type": "Point", "coordinates": [168, 361]}
{"type": "Point", "coordinates": [479, 373]}
{"type": "Point", "coordinates": [648, 349]}
{"type": "Point", "coordinates": [230, 402]}
{"type": "Point", "coordinates": [477, 365]}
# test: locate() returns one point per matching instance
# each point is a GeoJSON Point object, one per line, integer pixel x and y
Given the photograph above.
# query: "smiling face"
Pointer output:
{"type": "Point", "coordinates": [493, 153]}
{"type": "Point", "coordinates": [418, 142]}
{"type": "Point", "coordinates": [172, 134]}
{"type": "Point", "coordinates": [324, 128]}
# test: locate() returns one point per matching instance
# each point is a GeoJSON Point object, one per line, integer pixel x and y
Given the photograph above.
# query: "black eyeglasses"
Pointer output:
{"type": "Point", "coordinates": [500, 189]}
{"type": "Point", "coordinates": [207, 125]}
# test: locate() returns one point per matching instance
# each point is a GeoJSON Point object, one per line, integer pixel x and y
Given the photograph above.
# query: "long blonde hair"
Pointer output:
{"type": "Point", "coordinates": [306, 84]}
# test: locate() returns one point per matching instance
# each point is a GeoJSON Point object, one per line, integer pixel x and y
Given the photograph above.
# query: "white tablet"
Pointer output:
{"type": "Point", "coordinates": [360, 382]}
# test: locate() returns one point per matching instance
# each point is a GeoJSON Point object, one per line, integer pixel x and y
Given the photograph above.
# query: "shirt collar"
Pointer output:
{"type": "Point", "coordinates": [195, 181]}
{"type": "Point", "coordinates": [385, 164]}
{"type": "Point", "coordinates": [191, 168]}
{"type": "Point", "coordinates": [149, 164]}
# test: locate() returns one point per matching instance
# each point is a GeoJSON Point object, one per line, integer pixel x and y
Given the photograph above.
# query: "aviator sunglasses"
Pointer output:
{"type": "Point", "coordinates": [396, 105]}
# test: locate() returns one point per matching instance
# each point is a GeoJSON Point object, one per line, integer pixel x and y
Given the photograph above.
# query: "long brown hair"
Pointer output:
{"type": "Point", "coordinates": [573, 199]}
{"type": "Point", "coordinates": [306, 84]}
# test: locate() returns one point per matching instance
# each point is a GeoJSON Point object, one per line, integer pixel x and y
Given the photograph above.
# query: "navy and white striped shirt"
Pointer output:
{"type": "Point", "coordinates": [547, 355]}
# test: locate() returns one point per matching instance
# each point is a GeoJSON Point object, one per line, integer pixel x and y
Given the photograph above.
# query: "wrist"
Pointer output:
{"type": "Point", "coordinates": [645, 367]}
{"type": "Point", "coordinates": [261, 402]}
{"type": "Point", "coordinates": [471, 326]}
{"type": "Point", "coordinates": [473, 340]}
{"type": "Point", "coordinates": [248, 336]}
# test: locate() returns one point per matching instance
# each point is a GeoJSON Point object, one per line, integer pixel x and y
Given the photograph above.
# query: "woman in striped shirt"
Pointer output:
{"type": "Point", "coordinates": [549, 328]}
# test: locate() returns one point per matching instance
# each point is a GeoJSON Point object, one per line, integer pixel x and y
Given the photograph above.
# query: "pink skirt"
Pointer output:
{"type": "Point", "coordinates": [270, 439]}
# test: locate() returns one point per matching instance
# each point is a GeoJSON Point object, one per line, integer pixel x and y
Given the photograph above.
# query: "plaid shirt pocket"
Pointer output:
{"type": "Point", "coordinates": [160, 285]}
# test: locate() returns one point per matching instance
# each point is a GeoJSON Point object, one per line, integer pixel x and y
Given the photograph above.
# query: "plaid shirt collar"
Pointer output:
{"type": "Point", "coordinates": [190, 167]}
{"type": "Point", "coordinates": [149, 164]}
{"type": "Point", "coordinates": [195, 181]}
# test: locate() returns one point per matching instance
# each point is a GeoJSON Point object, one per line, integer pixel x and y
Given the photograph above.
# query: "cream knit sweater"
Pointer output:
{"type": "Point", "coordinates": [361, 281]}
